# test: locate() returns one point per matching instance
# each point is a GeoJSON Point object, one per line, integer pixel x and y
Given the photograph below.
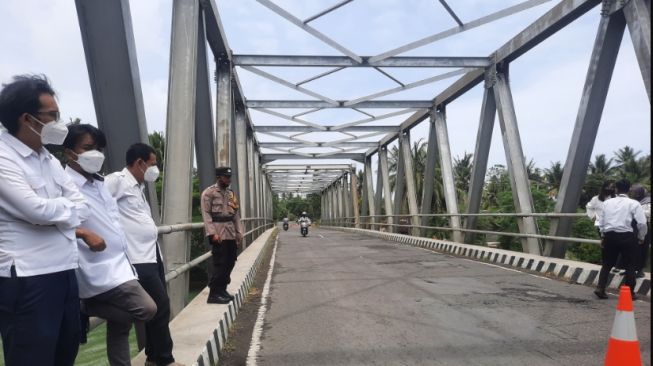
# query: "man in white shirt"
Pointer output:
{"type": "Point", "coordinates": [40, 209]}
{"type": "Point", "coordinates": [126, 186]}
{"type": "Point", "coordinates": [107, 281]}
{"type": "Point", "coordinates": [617, 236]}
{"type": "Point", "coordinates": [638, 193]}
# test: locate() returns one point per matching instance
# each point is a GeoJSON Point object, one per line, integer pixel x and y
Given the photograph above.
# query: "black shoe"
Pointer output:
{"type": "Point", "coordinates": [640, 274]}
{"type": "Point", "coordinates": [601, 294]}
{"type": "Point", "coordinates": [226, 294]}
{"type": "Point", "coordinates": [633, 296]}
{"type": "Point", "coordinates": [218, 299]}
{"type": "Point", "coordinates": [622, 273]}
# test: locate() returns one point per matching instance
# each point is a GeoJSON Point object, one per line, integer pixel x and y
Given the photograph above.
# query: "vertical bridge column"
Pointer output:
{"type": "Point", "coordinates": [521, 192]}
{"type": "Point", "coordinates": [638, 18]}
{"type": "Point", "coordinates": [177, 187]}
{"type": "Point", "coordinates": [251, 186]}
{"type": "Point", "coordinates": [411, 189]}
{"type": "Point", "coordinates": [400, 185]}
{"type": "Point", "coordinates": [345, 199]}
{"type": "Point", "coordinates": [481, 152]}
{"type": "Point", "coordinates": [447, 172]}
{"type": "Point", "coordinates": [108, 39]}
{"type": "Point", "coordinates": [370, 190]}
{"type": "Point", "coordinates": [384, 172]}
{"type": "Point", "coordinates": [595, 91]}
{"type": "Point", "coordinates": [242, 157]}
{"type": "Point", "coordinates": [354, 197]}
{"type": "Point", "coordinates": [429, 174]}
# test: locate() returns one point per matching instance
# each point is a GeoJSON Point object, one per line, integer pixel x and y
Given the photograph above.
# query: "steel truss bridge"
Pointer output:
{"type": "Point", "coordinates": [227, 135]}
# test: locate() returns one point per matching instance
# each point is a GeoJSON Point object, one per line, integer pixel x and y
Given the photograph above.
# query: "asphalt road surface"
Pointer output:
{"type": "Point", "coordinates": [346, 299]}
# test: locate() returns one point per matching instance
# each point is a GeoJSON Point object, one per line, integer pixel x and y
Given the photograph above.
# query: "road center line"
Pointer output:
{"type": "Point", "coordinates": [255, 344]}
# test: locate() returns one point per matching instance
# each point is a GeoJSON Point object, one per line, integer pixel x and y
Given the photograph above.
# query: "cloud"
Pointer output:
{"type": "Point", "coordinates": [546, 82]}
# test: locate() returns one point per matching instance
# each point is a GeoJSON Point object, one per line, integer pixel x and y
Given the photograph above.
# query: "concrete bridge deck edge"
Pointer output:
{"type": "Point", "coordinates": [200, 330]}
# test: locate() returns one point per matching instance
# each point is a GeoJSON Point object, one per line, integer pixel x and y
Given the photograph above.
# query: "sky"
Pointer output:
{"type": "Point", "coordinates": [38, 36]}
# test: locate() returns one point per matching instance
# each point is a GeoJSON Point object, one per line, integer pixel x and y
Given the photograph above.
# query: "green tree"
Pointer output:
{"type": "Point", "coordinates": [553, 178]}
{"type": "Point", "coordinates": [462, 169]}
{"type": "Point", "coordinates": [158, 142]}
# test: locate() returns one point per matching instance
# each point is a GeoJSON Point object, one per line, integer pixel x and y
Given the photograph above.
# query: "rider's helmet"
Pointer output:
{"type": "Point", "coordinates": [304, 214]}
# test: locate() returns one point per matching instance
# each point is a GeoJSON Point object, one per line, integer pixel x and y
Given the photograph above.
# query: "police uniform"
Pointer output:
{"type": "Point", "coordinates": [220, 213]}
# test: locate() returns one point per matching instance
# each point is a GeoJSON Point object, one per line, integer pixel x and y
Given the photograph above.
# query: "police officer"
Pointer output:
{"type": "Point", "coordinates": [225, 233]}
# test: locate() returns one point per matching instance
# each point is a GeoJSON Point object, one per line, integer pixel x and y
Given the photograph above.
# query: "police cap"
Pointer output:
{"type": "Point", "coordinates": [224, 171]}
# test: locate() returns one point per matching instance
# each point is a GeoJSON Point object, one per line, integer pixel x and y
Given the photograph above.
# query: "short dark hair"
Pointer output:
{"type": "Point", "coordinates": [607, 190]}
{"type": "Point", "coordinates": [76, 132]}
{"type": "Point", "coordinates": [22, 96]}
{"type": "Point", "coordinates": [137, 151]}
{"type": "Point", "coordinates": [623, 185]}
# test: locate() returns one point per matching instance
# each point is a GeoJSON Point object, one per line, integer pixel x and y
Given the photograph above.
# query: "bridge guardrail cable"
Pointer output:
{"type": "Point", "coordinates": [350, 221]}
{"type": "Point", "coordinates": [172, 274]}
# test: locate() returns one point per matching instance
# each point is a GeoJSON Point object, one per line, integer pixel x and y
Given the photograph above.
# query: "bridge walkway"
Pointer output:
{"type": "Point", "coordinates": [347, 299]}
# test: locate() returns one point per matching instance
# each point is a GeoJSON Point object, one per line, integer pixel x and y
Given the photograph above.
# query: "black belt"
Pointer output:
{"type": "Point", "coordinates": [216, 218]}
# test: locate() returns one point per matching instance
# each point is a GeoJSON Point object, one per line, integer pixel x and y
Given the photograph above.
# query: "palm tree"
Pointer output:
{"type": "Point", "coordinates": [158, 142]}
{"type": "Point", "coordinates": [625, 155]}
{"type": "Point", "coordinates": [630, 167]}
{"type": "Point", "coordinates": [462, 170]}
{"type": "Point", "coordinates": [601, 165]}
{"type": "Point", "coordinates": [553, 178]}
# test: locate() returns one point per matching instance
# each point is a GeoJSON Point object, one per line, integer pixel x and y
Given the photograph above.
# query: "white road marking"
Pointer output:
{"type": "Point", "coordinates": [507, 269]}
{"type": "Point", "coordinates": [320, 235]}
{"type": "Point", "coordinates": [255, 344]}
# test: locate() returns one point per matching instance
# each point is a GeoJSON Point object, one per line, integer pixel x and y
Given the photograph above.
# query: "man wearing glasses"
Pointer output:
{"type": "Point", "coordinates": [40, 209]}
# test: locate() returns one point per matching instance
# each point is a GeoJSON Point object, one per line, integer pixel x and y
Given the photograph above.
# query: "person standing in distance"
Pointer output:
{"type": "Point", "coordinates": [127, 187]}
{"type": "Point", "coordinates": [224, 230]}
{"type": "Point", "coordinates": [618, 237]}
{"type": "Point", "coordinates": [107, 281]}
{"type": "Point", "coordinates": [40, 210]}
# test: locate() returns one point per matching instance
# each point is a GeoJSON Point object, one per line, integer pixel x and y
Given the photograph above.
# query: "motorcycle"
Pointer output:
{"type": "Point", "coordinates": [304, 228]}
{"type": "Point", "coordinates": [285, 226]}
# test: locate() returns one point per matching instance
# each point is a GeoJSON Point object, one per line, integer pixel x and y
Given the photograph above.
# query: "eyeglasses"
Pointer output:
{"type": "Point", "coordinates": [54, 114]}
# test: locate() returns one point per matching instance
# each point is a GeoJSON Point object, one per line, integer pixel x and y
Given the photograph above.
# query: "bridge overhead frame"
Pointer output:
{"type": "Point", "coordinates": [227, 136]}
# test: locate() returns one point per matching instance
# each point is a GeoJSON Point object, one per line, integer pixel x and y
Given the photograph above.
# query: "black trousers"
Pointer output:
{"type": "Point", "coordinates": [224, 259]}
{"type": "Point", "coordinates": [39, 319]}
{"type": "Point", "coordinates": [158, 344]}
{"type": "Point", "coordinates": [615, 244]}
{"type": "Point", "coordinates": [643, 252]}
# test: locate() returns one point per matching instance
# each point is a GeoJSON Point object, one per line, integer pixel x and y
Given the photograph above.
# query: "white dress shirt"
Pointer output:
{"type": "Point", "coordinates": [135, 216]}
{"type": "Point", "coordinates": [40, 208]}
{"type": "Point", "coordinates": [594, 208]}
{"type": "Point", "coordinates": [99, 272]}
{"type": "Point", "coordinates": [618, 214]}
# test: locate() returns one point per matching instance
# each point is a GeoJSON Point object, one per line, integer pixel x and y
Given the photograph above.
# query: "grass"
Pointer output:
{"type": "Point", "coordinates": [94, 352]}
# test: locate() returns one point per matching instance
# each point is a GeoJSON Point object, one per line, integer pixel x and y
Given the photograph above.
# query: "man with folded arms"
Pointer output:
{"type": "Point", "coordinates": [40, 210]}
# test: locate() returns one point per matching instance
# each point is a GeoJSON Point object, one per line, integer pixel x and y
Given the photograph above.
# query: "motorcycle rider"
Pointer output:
{"type": "Point", "coordinates": [285, 223]}
{"type": "Point", "coordinates": [304, 219]}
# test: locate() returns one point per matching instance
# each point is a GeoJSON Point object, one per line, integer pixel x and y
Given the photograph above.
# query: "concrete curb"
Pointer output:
{"type": "Point", "coordinates": [200, 330]}
{"type": "Point", "coordinates": [242, 276]}
{"type": "Point", "coordinates": [572, 271]}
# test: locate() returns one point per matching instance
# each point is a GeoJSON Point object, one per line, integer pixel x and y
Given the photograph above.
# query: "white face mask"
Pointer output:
{"type": "Point", "coordinates": [90, 161]}
{"type": "Point", "coordinates": [52, 133]}
{"type": "Point", "coordinates": [151, 174]}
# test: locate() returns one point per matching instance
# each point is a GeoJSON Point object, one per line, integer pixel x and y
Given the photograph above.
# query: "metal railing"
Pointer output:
{"type": "Point", "coordinates": [172, 274]}
{"type": "Point", "coordinates": [375, 222]}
